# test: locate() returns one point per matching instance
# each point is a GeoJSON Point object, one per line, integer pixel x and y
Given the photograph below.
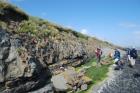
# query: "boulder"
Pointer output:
{"type": "Point", "coordinates": [84, 87]}
{"type": "Point", "coordinates": [70, 75]}
{"type": "Point", "coordinates": [59, 83]}
{"type": "Point", "coordinates": [70, 80]}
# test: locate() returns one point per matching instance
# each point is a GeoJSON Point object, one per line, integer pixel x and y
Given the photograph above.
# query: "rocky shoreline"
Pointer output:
{"type": "Point", "coordinates": [126, 80]}
{"type": "Point", "coordinates": [111, 75]}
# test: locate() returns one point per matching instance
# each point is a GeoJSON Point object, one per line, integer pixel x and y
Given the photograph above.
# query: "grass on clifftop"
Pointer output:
{"type": "Point", "coordinates": [97, 74]}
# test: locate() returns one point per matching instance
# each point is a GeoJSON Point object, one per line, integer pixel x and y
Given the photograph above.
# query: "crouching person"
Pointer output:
{"type": "Point", "coordinates": [117, 60]}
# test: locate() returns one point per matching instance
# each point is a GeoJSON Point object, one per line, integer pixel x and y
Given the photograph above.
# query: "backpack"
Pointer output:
{"type": "Point", "coordinates": [128, 51]}
{"type": "Point", "coordinates": [133, 53]}
{"type": "Point", "coordinates": [117, 54]}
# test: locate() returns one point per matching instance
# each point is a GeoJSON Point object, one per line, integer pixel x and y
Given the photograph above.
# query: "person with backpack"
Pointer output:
{"type": "Point", "coordinates": [133, 56]}
{"type": "Point", "coordinates": [117, 56]}
{"type": "Point", "coordinates": [98, 53]}
{"type": "Point", "coordinates": [117, 60]}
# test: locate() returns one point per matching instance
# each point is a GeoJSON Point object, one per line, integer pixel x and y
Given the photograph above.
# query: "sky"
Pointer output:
{"type": "Point", "coordinates": [115, 21]}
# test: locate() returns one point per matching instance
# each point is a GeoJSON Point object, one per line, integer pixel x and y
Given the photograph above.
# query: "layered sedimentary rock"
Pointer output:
{"type": "Point", "coordinates": [31, 50]}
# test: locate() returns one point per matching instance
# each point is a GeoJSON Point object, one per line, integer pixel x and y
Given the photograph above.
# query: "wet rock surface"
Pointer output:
{"type": "Point", "coordinates": [126, 80]}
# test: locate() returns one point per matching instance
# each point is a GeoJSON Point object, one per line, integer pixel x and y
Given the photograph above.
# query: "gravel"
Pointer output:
{"type": "Point", "coordinates": [126, 80]}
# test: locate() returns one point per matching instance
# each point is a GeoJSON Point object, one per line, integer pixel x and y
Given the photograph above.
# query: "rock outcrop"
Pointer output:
{"type": "Point", "coordinates": [18, 72]}
{"type": "Point", "coordinates": [70, 80]}
{"type": "Point", "coordinates": [31, 50]}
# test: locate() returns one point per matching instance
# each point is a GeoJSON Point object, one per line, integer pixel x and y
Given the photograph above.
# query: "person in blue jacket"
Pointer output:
{"type": "Point", "coordinates": [117, 56]}
{"type": "Point", "coordinates": [117, 59]}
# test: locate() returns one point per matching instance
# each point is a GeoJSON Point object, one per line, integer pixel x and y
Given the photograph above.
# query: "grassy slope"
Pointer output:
{"type": "Point", "coordinates": [42, 28]}
{"type": "Point", "coordinates": [6, 5]}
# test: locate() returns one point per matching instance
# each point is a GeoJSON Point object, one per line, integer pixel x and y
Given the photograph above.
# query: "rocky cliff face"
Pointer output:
{"type": "Point", "coordinates": [31, 50]}
{"type": "Point", "coordinates": [19, 69]}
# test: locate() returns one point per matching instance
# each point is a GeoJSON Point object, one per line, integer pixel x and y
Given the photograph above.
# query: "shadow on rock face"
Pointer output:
{"type": "Point", "coordinates": [10, 13]}
{"type": "Point", "coordinates": [22, 84]}
{"type": "Point", "coordinates": [13, 74]}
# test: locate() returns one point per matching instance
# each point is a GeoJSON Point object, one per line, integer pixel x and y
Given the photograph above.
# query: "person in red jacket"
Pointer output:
{"type": "Point", "coordinates": [98, 53]}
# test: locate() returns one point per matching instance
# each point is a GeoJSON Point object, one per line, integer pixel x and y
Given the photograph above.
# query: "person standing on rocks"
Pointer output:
{"type": "Point", "coordinates": [133, 56]}
{"type": "Point", "coordinates": [98, 53]}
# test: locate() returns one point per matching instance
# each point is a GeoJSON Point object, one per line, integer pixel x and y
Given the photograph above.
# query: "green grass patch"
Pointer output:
{"type": "Point", "coordinates": [90, 63]}
{"type": "Point", "coordinates": [96, 73]}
